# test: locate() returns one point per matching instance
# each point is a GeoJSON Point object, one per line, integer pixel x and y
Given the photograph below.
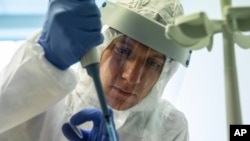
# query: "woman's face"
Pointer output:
{"type": "Point", "coordinates": [129, 70]}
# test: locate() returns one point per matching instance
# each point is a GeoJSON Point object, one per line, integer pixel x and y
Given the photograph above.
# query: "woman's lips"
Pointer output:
{"type": "Point", "coordinates": [122, 92]}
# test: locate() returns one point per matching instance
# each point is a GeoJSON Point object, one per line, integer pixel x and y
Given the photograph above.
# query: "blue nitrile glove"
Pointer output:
{"type": "Point", "coordinates": [71, 29]}
{"type": "Point", "coordinates": [99, 131]}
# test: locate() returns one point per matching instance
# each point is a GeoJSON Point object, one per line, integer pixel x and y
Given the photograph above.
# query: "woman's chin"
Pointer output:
{"type": "Point", "coordinates": [118, 105]}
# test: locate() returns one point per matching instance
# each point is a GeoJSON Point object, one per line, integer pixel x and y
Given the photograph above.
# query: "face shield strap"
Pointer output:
{"type": "Point", "coordinates": [144, 30]}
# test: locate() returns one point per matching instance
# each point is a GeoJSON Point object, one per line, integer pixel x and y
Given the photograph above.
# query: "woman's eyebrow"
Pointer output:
{"type": "Point", "coordinates": [158, 56]}
{"type": "Point", "coordinates": [127, 41]}
{"type": "Point", "coordinates": [124, 43]}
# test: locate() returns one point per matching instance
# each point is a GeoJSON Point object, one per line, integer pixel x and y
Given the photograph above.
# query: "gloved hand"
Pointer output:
{"type": "Point", "coordinates": [71, 29]}
{"type": "Point", "coordinates": [99, 131]}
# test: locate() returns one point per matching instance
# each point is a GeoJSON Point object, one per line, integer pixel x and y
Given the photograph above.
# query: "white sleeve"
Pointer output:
{"type": "Point", "coordinates": [183, 134]}
{"type": "Point", "coordinates": [29, 85]}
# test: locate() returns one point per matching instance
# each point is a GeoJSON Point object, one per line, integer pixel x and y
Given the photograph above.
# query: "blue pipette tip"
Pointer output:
{"type": "Point", "coordinates": [110, 128]}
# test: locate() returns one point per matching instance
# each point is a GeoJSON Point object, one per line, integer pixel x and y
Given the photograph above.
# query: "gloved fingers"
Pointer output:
{"type": "Point", "coordinates": [99, 128]}
{"type": "Point", "coordinates": [86, 8]}
{"type": "Point", "coordinates": [93, 24]}
{"type": "Point", "coordinates": [94, 39]}
{"type": "Point", "coordinates": [91, 114]}
{"type": "Point", "coordinates": [77, 7]}
{"type": "Point", "coordinates": [111, 112]}
{"type": "Point", "coordinates": [86, 24]}
{"type": "Point", "coordinates": [111, 115]}
{"type": "Point", "coordinates": [70, 134]}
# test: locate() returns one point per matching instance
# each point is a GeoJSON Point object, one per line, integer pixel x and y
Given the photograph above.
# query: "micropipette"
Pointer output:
{"type": "Point", "coordinates": [90, 61]}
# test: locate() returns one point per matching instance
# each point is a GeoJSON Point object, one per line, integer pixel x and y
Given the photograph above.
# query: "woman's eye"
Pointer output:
{"type": "Point", "coordinates": [123, 51]}
{"type": "Point", "coordinates": [154, 64]}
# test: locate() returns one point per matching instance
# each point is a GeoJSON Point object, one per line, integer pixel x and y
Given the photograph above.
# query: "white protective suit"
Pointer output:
{"type": "Point", "coordinates": [36, 98]}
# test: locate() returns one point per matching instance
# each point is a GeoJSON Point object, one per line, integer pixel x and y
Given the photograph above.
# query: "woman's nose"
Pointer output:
{"type": "Point", "coordinates": [132, 71]}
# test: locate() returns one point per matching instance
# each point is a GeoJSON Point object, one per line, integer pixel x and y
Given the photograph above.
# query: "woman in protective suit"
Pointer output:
{"type": "Point", "coordinates": [40, 92]}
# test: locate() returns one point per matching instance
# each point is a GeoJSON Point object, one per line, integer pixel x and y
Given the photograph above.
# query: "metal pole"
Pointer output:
{"type": "Point", "coordinates": [233, 108]}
